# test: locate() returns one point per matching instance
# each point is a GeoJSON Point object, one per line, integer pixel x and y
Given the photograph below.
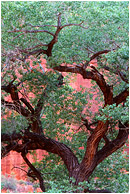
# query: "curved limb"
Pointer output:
{"type": "Point", "coordinates": [35, 171]}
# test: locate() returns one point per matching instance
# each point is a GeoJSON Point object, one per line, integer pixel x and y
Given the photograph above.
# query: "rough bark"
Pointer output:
{"type": "Point", "coordinates": [88, 163]}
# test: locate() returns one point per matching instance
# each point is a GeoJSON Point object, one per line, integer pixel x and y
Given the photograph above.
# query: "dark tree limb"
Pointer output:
{"type": "Point", "coordinates": [35, 141]}
{"type": "Point", "coordinates": [31, 48]}
{"type": "Point", "coordinates": [95, 55]}
{"type": "Point", "coordinates": [114, 145]}
{"type": "Point", "coordinates": [41, 26]}
{"type": "Point", "coordinates": [35, 52]}
{"type": "Point", "coordinates": [116, 72]}
{"type": "Point", "coordinates": [75, 25]}
{"type": "Point", "coordinates": [88, 163]}
{"type": "Point", "coordinates": [41, 102]}
{"type": "Point", "coordinates": [5, 151]}
{"type": "Point", "coordinates": [36, 172]}
{"type": "Point", "coordinates": [10, 137]}
{"type": "Point", "coordinates": [121, 97]}
{"type": "Point", "coordinates": [106, 139]}
{"type": "Point", "coordinates": [88, 126]}
{"type": "Point", "coordinates": [29, 113]}
{"type": "Point", "coordinates": [31, 31]}
{"type": "Point", "coordinates": [19, 168]}
{"type": "Point", "coordinates": [27, 104]}
{"type": "Point", "coordinates": [66, 25]}
{"type": "Point", "coordinates": [30, 174]}
{"type": "Point", "coordinates": [94, 75]}
{"type": "Point", "coordinates": [93, 157]}
{"type": "Point", "coordinates": [50, 45]}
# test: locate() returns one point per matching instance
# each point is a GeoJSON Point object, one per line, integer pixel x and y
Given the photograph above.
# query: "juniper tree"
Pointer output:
{"type": "Point", "coordinates": [69, 35]}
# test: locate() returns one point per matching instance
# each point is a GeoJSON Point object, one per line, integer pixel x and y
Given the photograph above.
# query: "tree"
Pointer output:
{"type": "Point", "coordinates": [69, 35]}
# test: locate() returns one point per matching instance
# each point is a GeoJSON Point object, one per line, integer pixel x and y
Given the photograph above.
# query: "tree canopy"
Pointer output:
{"type": "Point", "coordinates": [56, 118]}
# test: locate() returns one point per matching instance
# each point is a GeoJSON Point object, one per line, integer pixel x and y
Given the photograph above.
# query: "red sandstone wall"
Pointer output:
{"type": "Point", "coordinates": [14, 159]}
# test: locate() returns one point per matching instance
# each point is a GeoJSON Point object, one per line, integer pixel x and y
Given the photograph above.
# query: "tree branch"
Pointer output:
{"type": "Point", "coordinates": [31, 48]}
{"type": "Point", "coordinates": [95, 55]}
{"type": "Point", "coordinates": [41, 102]}
{"type": "Point", "coordinates": [95, 75]}
{"type": "Point", "coordinates": [16, 105]}
{"type": "Point", "coordinates": [59, 20]}
{"type": "Point", "coordinates": [114, 145]}
{"type": "Point", "coordinates": [38, 52]}
{"type": "Point", "coordinates": [18, 108]}
{"type": "Point", "coordinates": [50, 45]}
{"type": "Point", "coordinates": [41, 142]}
{"type": "Point", "coordinates": [122, 76]}
{"type": "Point", "coordinates": [60, 25]}
{"type": "Point", "coordinates": [31, 31]}
{"type": "Point", "coordinates": [74, 25]}
{"type": "Point", "coordinates": [5, 151]}
{"type": "Point", "coordinates": [27, 104]}
{"type": "Point", "coordinates": [121, 97]}
{"type": "Point", "coordinates": [88, 163]}
{"type": "Point", "coordinates": [36, 172]}
{"type": "Point", "coordinates": [10, 137]}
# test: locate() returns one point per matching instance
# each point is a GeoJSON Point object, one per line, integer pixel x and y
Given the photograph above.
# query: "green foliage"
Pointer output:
{"type": "Point", "coordinates": [13, 123]}
{"type": "Point", "coordinates": [56, 176]}
{"type": "Point", "coordinates": [115, 113]}
{"type": "Point", "coordinates": [67, 187]}
{"type": "Point", "coordinates": [112, 173]}
{"type": "Point", "coordinates": [106, 23]}
{"type": "Point", "coordinates": [105, 26]}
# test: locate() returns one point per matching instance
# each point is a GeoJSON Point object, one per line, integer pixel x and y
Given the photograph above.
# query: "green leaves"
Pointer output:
{"type": "Point", "coordinates": [112, 173]}
{"type": "Point", "coordinates": [62, 109]}
{"type": "Point", "coordinates": [113, 112]}
{"type": "Point", "coordinates": [13, 123]}
{"type": "Point", "coordinates": [105, 25]}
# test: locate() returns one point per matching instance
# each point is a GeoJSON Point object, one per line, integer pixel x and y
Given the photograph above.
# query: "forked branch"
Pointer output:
{"type": "Point", "coordinates": [114, 145]}
{"type": "Point", "coordinates": [50, 45]}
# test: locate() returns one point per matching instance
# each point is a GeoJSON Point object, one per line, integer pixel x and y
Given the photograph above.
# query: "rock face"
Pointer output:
{"type": "Point", "coordinates": [13, 160]}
